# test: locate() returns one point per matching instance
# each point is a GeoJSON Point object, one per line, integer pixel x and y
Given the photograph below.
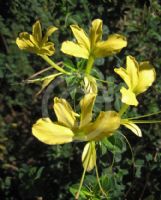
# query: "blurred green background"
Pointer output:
{"type": "Point", "coordinates": [32, 170]}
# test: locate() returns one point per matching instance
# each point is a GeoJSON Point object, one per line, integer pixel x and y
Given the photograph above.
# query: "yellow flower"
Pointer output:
{"type": "Point", "coordinates": [35, 42]}
{"type": "Point", "coordinates": [84, 129]}
{"type": "Point", "coordinates": [68, 128]}
{"type": "Point", "coordinates": [138, 77]}
{"type": "Point", "coordinates": [92, 44]}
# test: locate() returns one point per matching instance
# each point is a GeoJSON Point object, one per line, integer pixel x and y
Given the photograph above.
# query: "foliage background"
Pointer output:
{"type": "Point", "coordinates": [32, 170]}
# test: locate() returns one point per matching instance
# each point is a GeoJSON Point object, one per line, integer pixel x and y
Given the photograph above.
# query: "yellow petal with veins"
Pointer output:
{"type": "Point", "coordinates": [48, 33]}
{"type": "Point", "coordinates": [132, 69]}
{"type": "Point", "coordinates": [74, 49]}
{"type": "Point", "coordinates": [47, 49]}
{"type": "Point", "coordinates": [86, 105]}
{"type": "Point", "coordinates": [36, 31]}
{"type": "Point", "coordinates": [34, 42]}
{"type": "Point", "coordinates": [104, 126]}
{"type": "Point", "coordinates": [112, 45]}
{"type": "Point", "coordinates": [123, 74]}
{"type": "Point", "coordinates": [89, 156]}
{"type": "Point", "coordinates": [81, 36]}
{"type": "Point", "coordinates": [50, 133]}
{"type": "Point", "coordinates": [128, 97]}
{"type": "Point", "coordinates": [95, 32]}
{"type": "Point", "coordinates": [21, 44]}
{"type": "Point", "coordinates": [23, 41]}
{"type": "Point", "coordinates": [90, 84]}
{"type": "Point", "coordinates": [65, 114]}
{"type": "Point", "coordinates": [147, 76]}
{"type": "Point", "coordinates": [133, 127]}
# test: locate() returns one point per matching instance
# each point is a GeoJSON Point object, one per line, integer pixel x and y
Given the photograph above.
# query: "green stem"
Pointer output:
{"type": "Point", "coordinates": [132, 154]}
{"type": "Point", "coordinates": [38, 73]}
{"type": "Point", "coordinates": [146, 121]}
{"type": "Point", "coordinates": [55, 66]}
{"type": "Point", "coordinates": [143, 116]}
{"type": "Point", "coordinates": [80, 185]}
{"type": "Point", "coordinates": [103, 81]}
{"type": "Point", "coordinates": [83, 176]}
{"type": "Point", "coordinates": [123, 109]}
{"type": "Point", "coordinates": [43, 78]}
{"type": "Point", "coordinates": [89, 64]}
{"type": "Point", "coordinates": [99, 183]}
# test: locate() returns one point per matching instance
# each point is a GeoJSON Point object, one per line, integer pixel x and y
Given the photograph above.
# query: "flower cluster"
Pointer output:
{"type": "Point", "coordinates": [70, 125]}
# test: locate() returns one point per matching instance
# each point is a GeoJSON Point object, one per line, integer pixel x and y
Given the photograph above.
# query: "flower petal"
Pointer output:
{"type": "Point", "coordinates": [132, 69]}
{"type": "Point", "coordinates": [128, 97]}
{"type": "Point", "coordinates": [96, 32]}
{"type": "Point", "coordinates": [34, 42]}
{"type": "Point", "coordinates": [50, 133]}
{"type": "Point", "coordinates": [23, 41]}
{"type": "Point", "coordinates": [48, 33]}
{"type": "Point", "coordinates": [104, 126]}
{"type": "Point", "coordinates": [147, 76]}
{"type": "Point", "coordinates": [123, 74]}
{"type": "Point", "coordinates": [133, 127]}
{"type": "Point", "coordinates": [89, 156]}
{"type": "Point", "coordinates": [36, 31]}
{"type": "Point", "coordinates": [86, 105]}
{"type": "Point", "coordinates": [74, 49]}
{"type": "Point", "coordinates": [21, 44]}
{"type": "Point", "coordinates": [90, 85]}
{"type": "Point", "coordinates": [65, 114]}
{"type": "Point", "coordinates": [81, 37]}
{"type": "Point", "coordinates": [112, 45]}
{"type": "Point", "coordinates": [47, 49]}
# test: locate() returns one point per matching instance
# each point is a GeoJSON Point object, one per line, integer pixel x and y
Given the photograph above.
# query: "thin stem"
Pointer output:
{"type": "Point", "coordinates": [41, 71]}
{"type": "Point", "coordinates": [89, 64]}
{"type": "Point", "coordinates": [146, 121]}
{"type": "Point", "coordinates": [82, 179]}
{"type": "Point", "coordinates": [38, 73]}
{"type": "Point", "coordinates": [147, 115]}
{"type": "Point", "coordinates": [99, 183]}
{"type": "Point", "coordinates": [43, 78]}
{"type": "Point", "coordinates": [48, 60]}
{"type": "Point", "coordinates": [132, 154]}
{"type": "Point", "coordinates": [123, 109]}
{"type": "Point", "coordinates": [81, 183]}
{"type": "Point", "coordinates": [83, 175]}
{"type": "Point", "coordinates": [113, 159]}
{"type": "Point", "coordinates": [103, 81]}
